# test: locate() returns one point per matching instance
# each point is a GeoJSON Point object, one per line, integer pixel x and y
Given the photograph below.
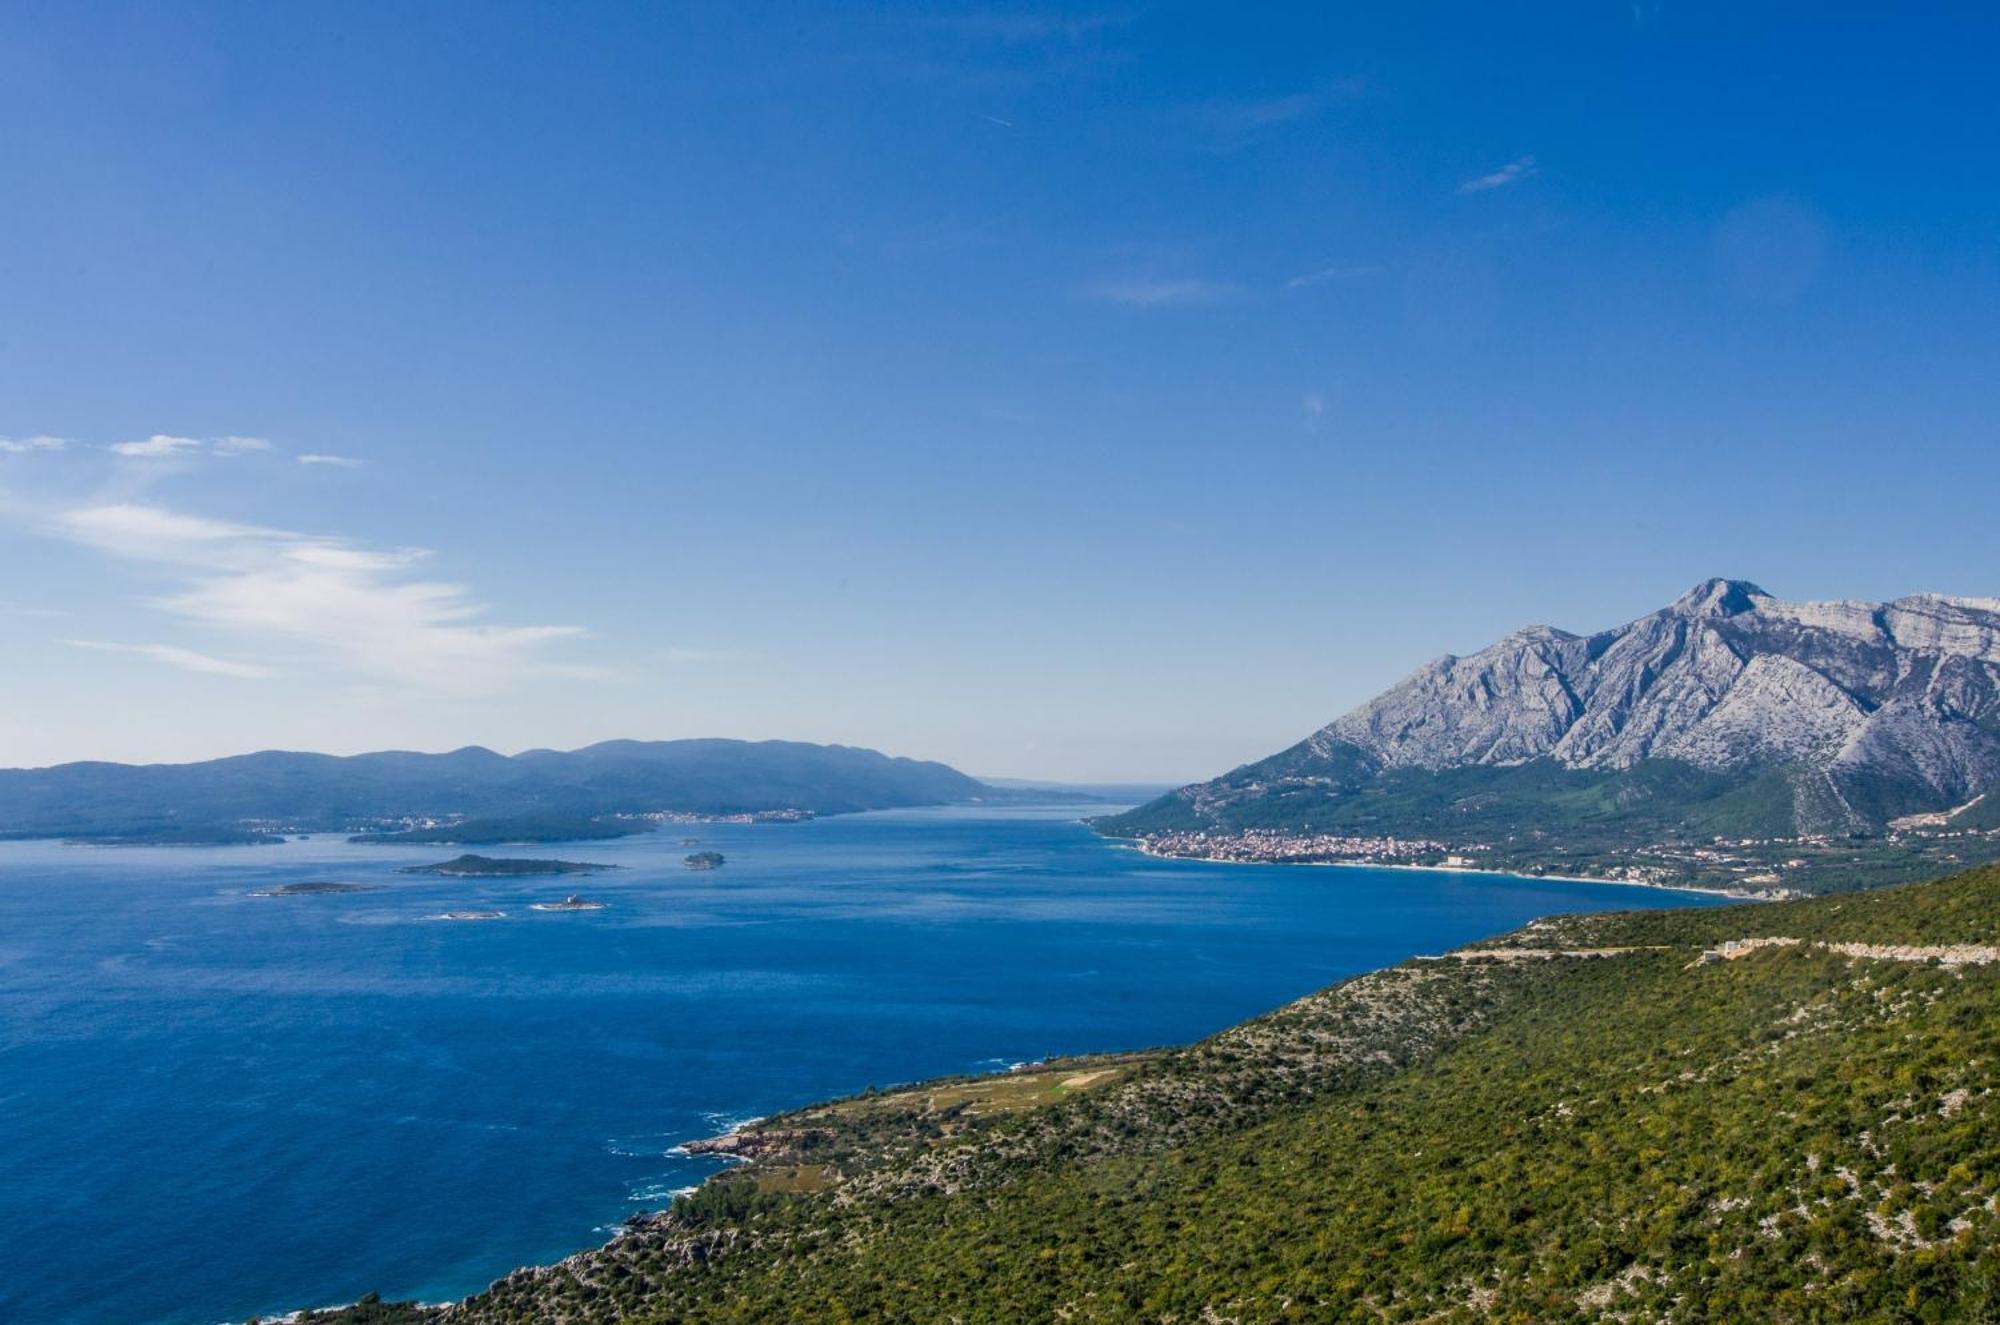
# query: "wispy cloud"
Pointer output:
{"type": "Point", "coordinates": [25, 609]}
{"type": "Point", "coordinates": [157, 447]}
{"type": "Point", "coordinates": [1511, 173]}
{"type": "Point", "coordinates": [24, 445]}
{"type": "Point", "coordinates": [1241, 117]}
{"type": "Point", "coordinates": [1305, 280]}
{"type": "Point", "coordinates": [175, 656]}
{"type": "Point", "coordinates": [338, 461]}
{"type": "Point", "coordinates": [364, 610]}
{"type": "Point", "coordinates": [1153, 293]}
{"type": "Point", "coordinates": [1314, 409]}
{"type": "Point", "coordinates": [1233, 122]}
{"type": "Point", "coordinates": [161, 446]}
{"type": "Point", "coordinates": [1229, 125]}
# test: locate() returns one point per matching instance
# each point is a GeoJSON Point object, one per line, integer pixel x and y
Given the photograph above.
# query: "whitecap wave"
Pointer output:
{"type": "Point", "coordinates": [647, 1145]}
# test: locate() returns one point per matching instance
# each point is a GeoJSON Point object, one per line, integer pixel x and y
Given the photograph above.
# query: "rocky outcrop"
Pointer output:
{"type": "Point", "coordinates": [755, 1143]}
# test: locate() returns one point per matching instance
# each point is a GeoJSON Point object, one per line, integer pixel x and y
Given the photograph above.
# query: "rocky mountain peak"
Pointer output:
{"type": "Point", "coordinates": [1719, 597]}
{"type": "Point", "coordinates": [1867, 709]}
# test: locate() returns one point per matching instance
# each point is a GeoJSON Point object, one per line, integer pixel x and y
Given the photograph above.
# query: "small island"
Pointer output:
{"type": "Point", "coordinates": [703, 860]}
{"type": "Point", "coordinates": [470, 866]}
{"type": "Point", "coordinates": [315, 889]}
{"type": "Point", "coordinates": [569, 903]}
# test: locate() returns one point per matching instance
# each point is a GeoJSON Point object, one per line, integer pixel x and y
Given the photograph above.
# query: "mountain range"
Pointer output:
{"type": "Point", "coordinates": [316, 791]}
{"type": "Point", "coordinates": [1728, 711]}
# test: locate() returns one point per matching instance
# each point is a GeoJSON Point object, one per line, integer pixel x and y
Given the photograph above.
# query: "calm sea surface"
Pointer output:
{"type": "Point", "coordinates": [214, 1104]}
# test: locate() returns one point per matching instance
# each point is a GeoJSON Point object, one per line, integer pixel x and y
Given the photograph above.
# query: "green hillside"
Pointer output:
{"type": "Point", "coordinates": [1586, 1119]}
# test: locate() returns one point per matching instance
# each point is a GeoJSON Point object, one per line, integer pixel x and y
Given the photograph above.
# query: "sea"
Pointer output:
{"type": "Point", "coordinates": [216, 1104]}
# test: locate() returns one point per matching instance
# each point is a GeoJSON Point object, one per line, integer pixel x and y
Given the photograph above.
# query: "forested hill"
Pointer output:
{"type": "Point", "coordinates": [1779, 1112]}
{"type": "Point", "coordinates": [614, 777]}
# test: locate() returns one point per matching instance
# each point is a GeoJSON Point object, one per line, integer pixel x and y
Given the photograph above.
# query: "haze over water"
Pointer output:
{"type": "Point", "coordinates": [214, 1104]}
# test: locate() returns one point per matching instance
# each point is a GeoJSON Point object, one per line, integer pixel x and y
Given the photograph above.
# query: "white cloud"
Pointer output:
{"type": "Point", "coordinates": [1314, 408]}
{"type": "Point", "coordinates": [320, 458]}
{"type": "Point", "coordinates": [23, 445]}
{"type": "Point", "coordinates": [360, 609]}
{"type": "Point", "coordinates": [157, 447]}
{"type": "Point", "coordinates": [239, 445]}
{"type": "Point", "coordinates": [151, 533]}
{"type": "Point", "coordinates": [160, 446]}
{"type": "Point", "coordinates": [175, 656]}
{"type": "Point", "coordinates": [1164, 293]}
{"type": "Point", "coordinates": [1511, 173]}
{"type": "Point", "coordinates": [1326, 274]}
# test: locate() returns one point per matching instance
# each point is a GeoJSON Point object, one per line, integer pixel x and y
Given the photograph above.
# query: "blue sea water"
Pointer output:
{"type": "Point", "coordinates": [214, 1104]}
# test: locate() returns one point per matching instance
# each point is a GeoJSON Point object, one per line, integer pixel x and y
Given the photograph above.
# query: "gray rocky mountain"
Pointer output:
{"type": "Point", "coordinates": [1774, 716]}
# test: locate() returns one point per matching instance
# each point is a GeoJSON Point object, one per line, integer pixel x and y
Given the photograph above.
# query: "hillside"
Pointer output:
{"type": "Point", "coordinates": [1777, 1112]}
{"type": "Point", "coordinates": [314, 791]}
{"type": "Point", "coordinates": [1728, 714]}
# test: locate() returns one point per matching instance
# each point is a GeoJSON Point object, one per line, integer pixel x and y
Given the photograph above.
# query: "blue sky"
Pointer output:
{"type": "Point", "coordinates": [1084, 393]}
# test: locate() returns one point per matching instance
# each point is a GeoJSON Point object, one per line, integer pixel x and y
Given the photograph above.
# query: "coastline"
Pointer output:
{"type": "Point", "coordinates": [738, 1142]}
{"type": "Point", "coordinates": [1732, 894]}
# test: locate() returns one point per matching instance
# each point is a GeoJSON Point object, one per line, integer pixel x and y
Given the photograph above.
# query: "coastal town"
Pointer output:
{"type": "Point", "coordinates": [1264, 846]}
{"type": "Point", "coordinates": [1760, 868]}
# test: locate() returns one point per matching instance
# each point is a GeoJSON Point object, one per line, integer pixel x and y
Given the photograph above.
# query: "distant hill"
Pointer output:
{"type": "Point", "coordinates": [328, 792]}
{"type": "Point", "coordinates": [1728, 713]}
